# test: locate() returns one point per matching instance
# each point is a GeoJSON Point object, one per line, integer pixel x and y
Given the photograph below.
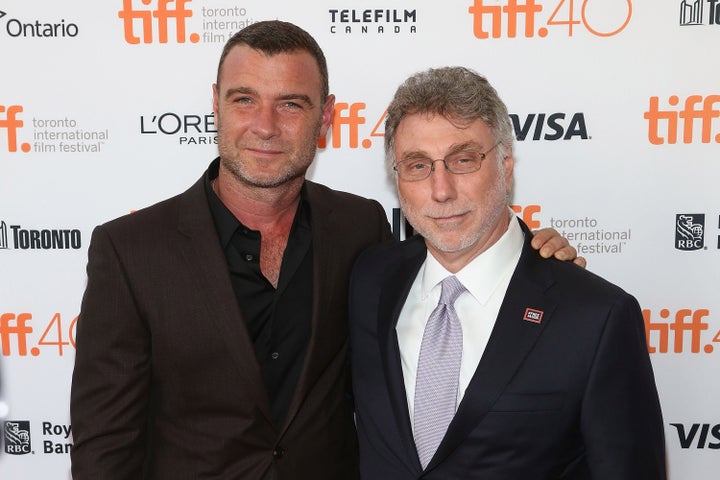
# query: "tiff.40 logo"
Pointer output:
{"type": "Point", "coordinates": [16, 335]}
{"type": "Point", "coordinates": [491, 19]}
{"type": "Point", "coordinates": [148, 20]}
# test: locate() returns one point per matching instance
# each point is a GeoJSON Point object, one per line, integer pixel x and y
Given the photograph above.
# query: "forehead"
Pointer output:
{"type": "Point", "coordinates": [435, 135]}
{"type": "Point", "coordinates": [295, 71]}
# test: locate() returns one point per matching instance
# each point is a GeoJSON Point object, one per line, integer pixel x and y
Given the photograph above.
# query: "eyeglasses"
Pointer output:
{"type": "Point", "coordinates": [458, 163]}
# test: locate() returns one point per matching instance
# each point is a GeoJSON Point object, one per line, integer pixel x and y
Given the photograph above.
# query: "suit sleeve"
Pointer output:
{"type": "Point", "coordinates": [111, 378]}
{"type": "Point", "coordinates": [621, 419]}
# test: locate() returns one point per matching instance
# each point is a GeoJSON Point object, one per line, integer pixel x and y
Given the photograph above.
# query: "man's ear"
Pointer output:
{"type": "Point", "coordinates": [327, 114]}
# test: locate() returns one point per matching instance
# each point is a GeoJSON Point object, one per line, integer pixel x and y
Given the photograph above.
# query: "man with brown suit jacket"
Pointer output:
{"type": "Point", "coordinates": [187, 316]}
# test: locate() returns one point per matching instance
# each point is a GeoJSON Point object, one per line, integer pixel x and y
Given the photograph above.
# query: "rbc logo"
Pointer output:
{"type": "Point", "coordinates": [17, 437]}
{"type": "Point", "coordinates": [689, 231]}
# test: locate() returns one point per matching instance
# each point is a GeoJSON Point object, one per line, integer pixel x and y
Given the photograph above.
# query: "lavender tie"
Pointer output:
{"type": "Point", "coordinates": [438, 370]}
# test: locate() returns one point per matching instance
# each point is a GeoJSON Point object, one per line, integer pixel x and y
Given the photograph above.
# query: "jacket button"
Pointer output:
{"type": "Point", "coordinates": [278, 453]}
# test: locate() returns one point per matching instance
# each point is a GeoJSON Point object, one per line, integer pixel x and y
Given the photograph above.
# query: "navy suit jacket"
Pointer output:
{"type": "Point", "coordinates": [569, 395]}
{"type": "Point", "coordinates": [166, 383]}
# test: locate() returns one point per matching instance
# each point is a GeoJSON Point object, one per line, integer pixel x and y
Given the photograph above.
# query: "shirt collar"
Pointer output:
{"type": "Point", "coordinates": [483, 274]}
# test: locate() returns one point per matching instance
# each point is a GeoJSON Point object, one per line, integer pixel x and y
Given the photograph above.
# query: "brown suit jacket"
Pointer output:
{"type": "Point", "coordinates": [166, 384]}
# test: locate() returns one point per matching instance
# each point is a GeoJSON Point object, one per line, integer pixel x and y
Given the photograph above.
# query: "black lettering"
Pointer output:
{"type": "Point", "coordinates": [34, 239]}
{"type": "Point", "coordinates": [178, 123]}
{"type": "Point", "coordinates": [192, 121]}
{"type": "Point", "coordinates": [75, 241]}
{"type": "Point", "coordinates": [46, 239]}
{"type": "Point", "coordinates": [142, 125]}
{"type": "Point", "coordinates": [16, 27]}
{"type": "Point", "coordinates": [577, 127]}
{"type": "Point", "coordinates": [716, 435]}
{"type": "Point", "coordinates": [686, 439]}
{"type": "Point", "coordinates": [714, 12]}
{"type": "Point", "coordinates": [539, 126]}
{"type": "Point", "coordinates": [521, 132]}
{"type": "Point", "coordinates": [210, 124]}
{"type": "Point", "coordinates": [555, 126]}
{"type": "Point", "coordinates": [703, 435]}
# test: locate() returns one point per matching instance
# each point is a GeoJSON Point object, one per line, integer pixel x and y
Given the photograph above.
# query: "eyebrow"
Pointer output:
{"type": "Point", "coordinates": [250, 91]}
{"type": "Point", "coordinates": [455, 148]}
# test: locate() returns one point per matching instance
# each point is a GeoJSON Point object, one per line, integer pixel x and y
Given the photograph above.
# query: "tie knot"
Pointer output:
{"type": "Point", "coordinates": [451, 289]}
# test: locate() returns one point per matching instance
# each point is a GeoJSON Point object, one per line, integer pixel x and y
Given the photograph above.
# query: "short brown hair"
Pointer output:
{"type": "Point", "coordinates": [274, 36]}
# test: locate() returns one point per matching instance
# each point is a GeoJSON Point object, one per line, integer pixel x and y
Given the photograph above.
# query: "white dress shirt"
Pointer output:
{"type": "Point", "coordinates": [486, 279]}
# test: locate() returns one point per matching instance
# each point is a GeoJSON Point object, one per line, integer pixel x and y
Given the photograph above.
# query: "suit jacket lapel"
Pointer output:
{"type": "Point", "coordinates": [207, 263]}
{"type": "Point", "coordinates": [329, 258]}
{"type": "Point", "coordinates": [512, 338]}
{"type": "Point", "coordinates": [398, 279]}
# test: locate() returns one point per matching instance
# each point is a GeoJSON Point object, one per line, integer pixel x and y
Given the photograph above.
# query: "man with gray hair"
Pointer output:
{"type": "Point", "coordinates": [472, 357]}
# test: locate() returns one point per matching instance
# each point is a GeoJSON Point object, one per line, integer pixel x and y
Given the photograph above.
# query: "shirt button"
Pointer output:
{"type": "Point", "coordinates": [278, 453]}
{"type": "Point", "coordinates": [249, 257]}
{"type": "Point", "coordinates": [275, 355]}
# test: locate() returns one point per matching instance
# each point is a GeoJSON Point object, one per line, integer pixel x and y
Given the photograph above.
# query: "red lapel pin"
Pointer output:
{"type": "Point", "coordinates": [533, 315]}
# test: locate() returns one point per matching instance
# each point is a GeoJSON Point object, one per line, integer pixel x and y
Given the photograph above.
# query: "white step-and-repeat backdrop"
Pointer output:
{"type": "Point", "coordinates": [105, 107]}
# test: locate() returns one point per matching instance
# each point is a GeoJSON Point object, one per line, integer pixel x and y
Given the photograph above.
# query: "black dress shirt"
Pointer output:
{"type": "Point", "coordinates": [278, 320]}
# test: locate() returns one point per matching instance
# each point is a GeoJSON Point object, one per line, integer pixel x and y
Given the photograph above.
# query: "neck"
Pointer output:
{"type": "Point", "coordinates": [259, 208]}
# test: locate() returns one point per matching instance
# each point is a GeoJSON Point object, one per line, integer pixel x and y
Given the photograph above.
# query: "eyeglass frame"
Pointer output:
{"type": "Point", "coordinates": [482, 155]}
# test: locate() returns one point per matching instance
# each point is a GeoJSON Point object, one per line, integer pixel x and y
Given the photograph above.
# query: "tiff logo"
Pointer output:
{"type": "Point", "coordinates": [150, 19]}
{"type": "Point", "coordinates": [14, 325]}
{"type": "Point", "coordinates": [11, 123]}
{"type": "Point", "coordinates": [346, 114]}
{"type": "Point", "coordinates": [513, 12]}
{"type": "Point", "coordinates": [665, 328]}
{"type": "Point", "coordinates": [695, 108]}
{"type": "Point", "coordinates": [691, 12]}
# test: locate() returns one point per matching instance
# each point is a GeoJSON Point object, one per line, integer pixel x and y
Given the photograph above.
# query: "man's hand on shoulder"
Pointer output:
{"type": "Point", "coordinates": [550, 243]}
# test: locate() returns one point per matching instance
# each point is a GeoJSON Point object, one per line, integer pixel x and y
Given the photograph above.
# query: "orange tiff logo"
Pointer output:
{"type": "Point", "coordinates": [492, 19]}
{"type": "Point", "coordinates": [11, 123]}
{"type": "Point", "coordinates": [526, 213]}
{"type": "Point", "coordinates": [350, 116]}
{"type": "Point", "coordinates": [665, 124]}
{"type": "Point", "coordinates": [660, 332]}
{"type": "Point", "coordinates": [16, 335]}
{"type": "Point", "coordinates": [158, 18]}
{"type": "Point", "coordinates": [12, 325]}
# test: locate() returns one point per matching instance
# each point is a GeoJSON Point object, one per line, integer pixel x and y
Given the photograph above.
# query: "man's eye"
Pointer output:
{"type": "Point", "coordinates": [242, 100]}
{"type": "Point", "coordinates": [292, 106]}
{"type": "Point", "coordinates": [417, 165]}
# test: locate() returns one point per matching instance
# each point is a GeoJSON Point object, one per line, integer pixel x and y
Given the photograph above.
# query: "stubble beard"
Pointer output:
{"type": "Point", "coordinates": [231, 158]}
